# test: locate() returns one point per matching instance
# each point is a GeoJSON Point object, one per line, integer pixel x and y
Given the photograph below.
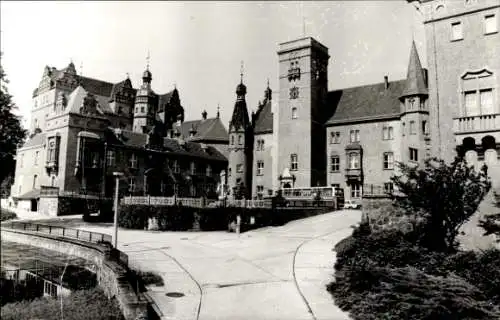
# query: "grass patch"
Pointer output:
{"type": "Point", "coordinates": [149, 278]}
{"type": "Point", "coordinates": [79, 305]}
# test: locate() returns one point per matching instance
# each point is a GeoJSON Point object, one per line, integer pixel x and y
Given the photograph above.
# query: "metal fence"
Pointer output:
{"type": "Point", "coordinates": [88, 236]}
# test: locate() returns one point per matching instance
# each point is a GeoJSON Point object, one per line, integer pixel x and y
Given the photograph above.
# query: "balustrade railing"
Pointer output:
{"type": "Point", "coordinates": [477, 123]}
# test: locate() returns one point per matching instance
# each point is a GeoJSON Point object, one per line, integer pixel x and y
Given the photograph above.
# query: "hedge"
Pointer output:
{"type": "Point", "coordinates": [209, 219]}
{"type": "Point", "coordinates": [386, 275]}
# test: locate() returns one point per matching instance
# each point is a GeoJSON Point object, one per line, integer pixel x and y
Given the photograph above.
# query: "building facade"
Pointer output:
{"type": "Point", "coordinates": [463, 49]}
{"type": "Point", "coordinates": [85, 129]}
{"type": "Point", "coordinates": [347, 138]}
{"type": "Point", "coordinates": [304, 136]}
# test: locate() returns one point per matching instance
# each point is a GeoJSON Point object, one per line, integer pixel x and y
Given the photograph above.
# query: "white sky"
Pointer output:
{"type": "Point", "coordinates": [199, 45]}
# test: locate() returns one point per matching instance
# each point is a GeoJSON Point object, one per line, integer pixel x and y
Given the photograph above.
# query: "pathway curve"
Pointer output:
{"type": "Point", "coordinates": [271, 273]}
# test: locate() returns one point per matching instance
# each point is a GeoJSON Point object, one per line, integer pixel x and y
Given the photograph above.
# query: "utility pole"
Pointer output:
{"type": "Point", "coordinates": [115, 225]}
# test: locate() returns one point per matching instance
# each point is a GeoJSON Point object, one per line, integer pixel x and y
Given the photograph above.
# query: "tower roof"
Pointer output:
{"type": "Point", "coordinates": [415, 78]}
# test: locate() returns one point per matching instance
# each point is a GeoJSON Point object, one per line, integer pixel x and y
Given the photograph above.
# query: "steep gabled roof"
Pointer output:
{"type": "Point", "coordinates": [36, 140]}
{"type": "Point", "coordinates": [193, 149]}
{"type": "Point", "coordinates": [97, 87]}
{"type": "Point", "coordinates": [165, 98]}
{"type": "Point", "coordinates": [210, 129]}
{"type": "Point", "coordinates": [365, 102]}
{"type": "Point", "coordinates": [415, 79]}
{"type": "Point", "coordinates": [264, 119]}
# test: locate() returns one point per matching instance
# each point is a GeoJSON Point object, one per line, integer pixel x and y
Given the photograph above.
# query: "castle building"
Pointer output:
{"type": "Point", "coordinates": [301, 137]}
{"type": "Point", "coordinates": [85, 129]}
{"type": "Point", "coordinates": [463, 50]}
{"type": "Point", "coordinates": [348, 138]}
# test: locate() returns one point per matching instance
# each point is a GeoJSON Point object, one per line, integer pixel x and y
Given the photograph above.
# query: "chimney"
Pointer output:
{"type": "Point", "coordinates": [204, 114]}
{"type": "Point", "coordinates": [386, 82]}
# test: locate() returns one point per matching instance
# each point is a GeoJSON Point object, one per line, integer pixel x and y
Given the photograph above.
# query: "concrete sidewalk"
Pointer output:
{"type": "Point", "coordinates": [313, 269]}
{"type": "Point", "coordinates": [276, 273]}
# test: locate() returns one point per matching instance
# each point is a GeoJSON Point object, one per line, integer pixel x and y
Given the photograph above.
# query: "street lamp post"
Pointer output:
{"type": "Point", "coordinates": [117, 175]}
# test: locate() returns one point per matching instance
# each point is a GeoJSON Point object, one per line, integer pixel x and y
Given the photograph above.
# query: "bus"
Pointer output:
{"type": "Point", "coordinates": [326, 193]}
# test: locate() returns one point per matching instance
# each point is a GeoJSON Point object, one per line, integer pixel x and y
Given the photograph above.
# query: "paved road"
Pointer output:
{"type": "Point", "coordinates": [272, 273]}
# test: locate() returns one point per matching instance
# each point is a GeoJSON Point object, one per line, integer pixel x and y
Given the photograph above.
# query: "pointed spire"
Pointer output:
{"type": "Point", "coordinates": [147, 76]}
{"type": "Point", "coordinates": [268, 93]}
{"type": "Point", "coordinates": [241, 72]}
{"type": "Point", "coordinates": [241, 89]}
{"type": "Point", "coordinates": [218, 110]}
{"type": "Point", "coordinates": [240, 119]}
{"type": "Point", "coordinates": [147, 61]}
{"type": "Point", "coordinates": [415, 77]}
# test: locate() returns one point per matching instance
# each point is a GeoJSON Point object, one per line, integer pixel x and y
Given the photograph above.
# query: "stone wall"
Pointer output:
{"type": "Point", "coordinates": [60, 206]}
{"type": "Point", "coordinates": [111, 276]}
{"type": "Point", "coordinates": [380, 212]}
{"type": "Point", "coordinates": [48, 206]}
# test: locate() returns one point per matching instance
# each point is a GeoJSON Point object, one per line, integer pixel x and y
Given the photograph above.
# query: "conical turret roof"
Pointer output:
{"type": "Point", "coordinates": [415, 79]}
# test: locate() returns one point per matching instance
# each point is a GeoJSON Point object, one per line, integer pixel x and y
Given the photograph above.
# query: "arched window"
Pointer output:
{"type": "Point", "coordinates": [294, 113]}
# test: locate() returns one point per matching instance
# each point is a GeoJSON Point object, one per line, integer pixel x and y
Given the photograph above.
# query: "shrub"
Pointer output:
{"type": "Point", "coordinates": [79, 305]}
{"type": "Point", "coordinates": [408, 293]}
{"type": "Point", "coordinates": [445, 196]}
{"type": "Point", "coordinates": [174, 218]}
{"type": "Point", "coordinates": [7, 215]}
{"type": "Point", "coordinates": [133, 216]}
{"type": "Point", "coordinates": [482, 269]}
{"type": "Point", "coordinates": [386, 274]}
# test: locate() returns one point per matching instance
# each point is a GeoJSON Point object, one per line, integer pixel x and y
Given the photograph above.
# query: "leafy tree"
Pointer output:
{"type": "Point", "coordinates": [491, 225]}
{"type": "Point", "coordinates": [443, 197]}
{"type": "Point", "coordinates": [11, 132]}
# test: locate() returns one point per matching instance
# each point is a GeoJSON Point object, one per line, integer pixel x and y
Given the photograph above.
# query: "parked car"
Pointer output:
{"type": "Point", "coordinates": [350, 204]}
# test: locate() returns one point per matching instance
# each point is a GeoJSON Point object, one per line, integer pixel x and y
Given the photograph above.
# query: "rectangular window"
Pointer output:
{"type": "Point", "coordinates": [142, 109]}
{"type": "Point", "coordinates": [110, 158]}
{"type": "Point", "coordinates": [176, 166]}
{"type": "Point", "coordinates": [37, 153]}
{"type": "Point", "coordinates": [388, 187]}
{"type": "Point", "coordinates": [412, 127]}
{"type": "Point", "coordinates": [131, 184]}
{"type": "Point", "coordinates": [387, 133]}
{"type": "Point", "coordinates": [355, 190]}
{"type": "Point", "coordinates": [334, 137]}
{"type": "Point", "coordinates": [388, 160]}
{"type": "Point", "coordinates": [354, 135]}
{"type": "Point", "coordinates": [193, 168]}
{"type": "Point", "coordinates": [209, 170]}
{"type": "Point", "coordinates": [413, 154]}
{"type": "Point", "coordinates": [486, 100]}
{"type": "Point", "coordinates": [239, 168]}
{"type": "Point", "coordinates": [133, 161]}
{"type": "Point", "coordinates": [294, 113]}
{"type": "Point", "coordinates": [470, 99]}
{"type": "Point", "coordinates": [260, 168]}
{"type": "Point", "coordinates": [354, 161]}
{"type": "Point", "coordinates": [260, 145]}
{"type": "Point", "coordinates": [403, 129]}
{"type": "Point", "coordinates": [334, 164]}
{"type": "Point", "coordinates": [456, 31]}
{"type": "Point", "coordinates": [240, 139]}
{"type": "Point", "coordinates": [490, 24]}
{"type": "Point", "coordinates": [294, 162]}
{"type": "Point", "coordinates": [424, 127]}
{"type": "Point", "coordinates": [260, 191]}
